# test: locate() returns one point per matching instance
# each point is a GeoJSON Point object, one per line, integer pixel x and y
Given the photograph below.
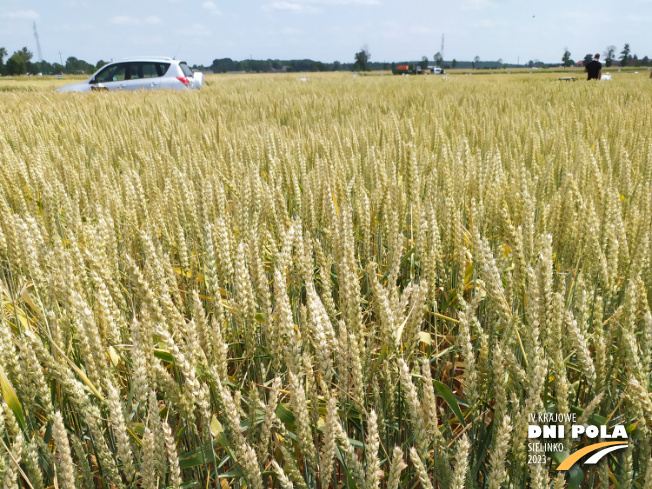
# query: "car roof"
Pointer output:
{"type": "Point", "coordinates": [151, 58]}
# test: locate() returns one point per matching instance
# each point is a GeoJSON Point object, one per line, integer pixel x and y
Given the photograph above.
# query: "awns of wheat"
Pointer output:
{"type": "Point", "coordinates": [342, 284]}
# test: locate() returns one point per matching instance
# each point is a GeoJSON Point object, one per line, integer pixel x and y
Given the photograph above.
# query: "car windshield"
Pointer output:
{"type": "Point", "coordinates": [185, 69]}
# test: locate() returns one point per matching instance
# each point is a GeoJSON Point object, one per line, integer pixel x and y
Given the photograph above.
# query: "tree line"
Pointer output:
{"type": "Point", "coordinates": [224, 65]}
{"type": "Point", "coordinates": [626, 58]}
{"type": "Point", "coordinates": [21, 62]}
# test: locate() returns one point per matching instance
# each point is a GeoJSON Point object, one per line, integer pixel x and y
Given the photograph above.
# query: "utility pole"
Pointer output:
{"type": "Point", "coordinates": [38, 48]}
{"type": "Point", "coordinates": [441, 51]}
{"type": "Point", "coordinates": [60, 58]}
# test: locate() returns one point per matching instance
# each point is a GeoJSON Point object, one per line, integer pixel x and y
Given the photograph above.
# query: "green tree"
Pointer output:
{"type": "Point", "coordinates": [45, 67]}
{"type": "Point", "coordinates": [566, 58]}
{"type": "Point", "coordinates": [3, 53]}
{"type": "Point", "coordinates": [624, 55]}
{"type": "Point", "coordinates": [454, 63]}
{"type": "Point", "coordinates": [16, 65]}
{"type": "Point", "coordinates": [609, 54]}
{"type": "Point", "coordinates": [438, 59]}
{"type": "Point", "coordinates": [476, 62]}
{"type": "Point", "coordinates": [71, 64]}
{"type": "Point", "coordinates": [74, 65]}
{"type": "Point", "coordinates": [362, 59]}
{"type": "Point", "coordinates": [25, 53]}
{"type": "Point", "coordinates": [588, 58]}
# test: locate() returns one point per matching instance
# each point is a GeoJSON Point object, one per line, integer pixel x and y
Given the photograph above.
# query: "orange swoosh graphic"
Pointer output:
{"type": "Point", "coordinates": [570, 461]}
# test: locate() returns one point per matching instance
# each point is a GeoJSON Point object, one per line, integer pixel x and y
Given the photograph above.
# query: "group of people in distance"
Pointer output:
{"type": "Point", "coordinates": [594, 69]}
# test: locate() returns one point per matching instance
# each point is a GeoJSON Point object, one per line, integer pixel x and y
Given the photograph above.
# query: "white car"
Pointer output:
{"type": "Point", "coordinates": [140, 74]}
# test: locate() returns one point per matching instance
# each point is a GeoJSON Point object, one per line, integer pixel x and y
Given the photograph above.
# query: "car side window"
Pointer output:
{"type": "Point", "coordinates": [111, 73]}
{"type": "Point", "coordinates": [186, 71]}
{"type": "Point", "coordinates": [135, 71]}
{"type": "Point", "coordinates": [149, 70]}
{"type": "Point", "coordinates": [161, 68]}
{"type": "Point", "coordinates": [146, 69]}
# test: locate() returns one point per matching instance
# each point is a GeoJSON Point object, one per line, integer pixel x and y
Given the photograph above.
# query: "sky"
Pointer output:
{"type": "Point", "coordinates": [199, 31]}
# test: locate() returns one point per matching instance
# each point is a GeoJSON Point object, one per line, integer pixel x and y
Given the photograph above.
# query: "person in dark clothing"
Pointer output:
{"type": "Point", "coordinates": [594, 68]}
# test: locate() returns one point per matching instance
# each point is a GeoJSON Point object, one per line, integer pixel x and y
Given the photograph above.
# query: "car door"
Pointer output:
{"type": "Point", "coordinates": [132, 80]}
{"type": "Point", "coordinates": [155, 72]}
{"type": "Point", "coordinates": [112, 77]}
{"type": "Point", "coordinates": [145, 75]}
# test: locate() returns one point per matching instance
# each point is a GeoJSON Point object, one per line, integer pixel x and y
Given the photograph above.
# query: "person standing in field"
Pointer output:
{"type": "Point", "coordinates": [594, 68]}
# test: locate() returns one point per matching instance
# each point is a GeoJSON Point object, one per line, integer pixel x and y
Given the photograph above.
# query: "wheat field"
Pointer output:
{"type": "Point", "coordinates": [346, 282]}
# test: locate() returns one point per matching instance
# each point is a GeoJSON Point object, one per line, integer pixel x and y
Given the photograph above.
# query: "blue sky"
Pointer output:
{"type": "Point", "coordinates": [326, 30]}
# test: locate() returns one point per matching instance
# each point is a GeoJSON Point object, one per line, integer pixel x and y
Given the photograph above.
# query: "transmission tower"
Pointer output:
{"type": "Point", "coordinates": [38, 45]}
{"type": "Point", "coordinates": [441, 51]}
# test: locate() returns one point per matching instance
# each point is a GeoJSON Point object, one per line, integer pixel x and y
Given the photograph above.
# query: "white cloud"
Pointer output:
{"type": "Point", "coordinates": [77, 27]}
{"type": "Point", "coordinates": [313, 6]}
{"type": "Point", "coordinates": [591, 18]}
{"type": "Point", "coordinates": [283, 5]}
{"type": "Point", "coordinates": [420, 29]}
{"type": "Point", "coordinates": [292, 31]}
{"type": "Point", "coordinates": [637, 19]}
{"type": "Point", "coordinates": [127, 20]}
{"type": "Point", "coordinates": [489, 23]}
{"type": "Point", "coordinates": [20, 15]}
{"type": "Point", "coordinates": [348, 2]}
{"type": "Point", "coordinates": [196, 30]}
{"type": "Point", "coordinates": [211, 7]}
{"type": "Point", "coordinates": [476, 4]}
{"type": "Point", "coordinates": [124, 20]}
{"type": "Point", "coordinates": [146, 40]}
